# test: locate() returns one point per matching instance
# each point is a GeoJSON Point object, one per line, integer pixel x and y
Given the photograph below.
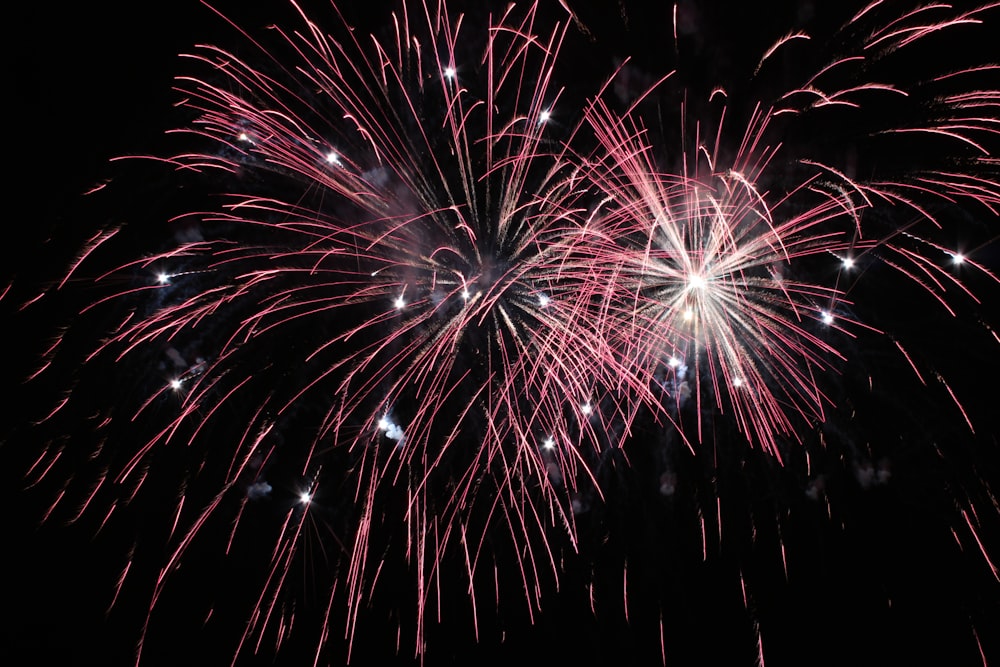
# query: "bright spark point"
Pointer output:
{"type": "Point", "coordinates": [384, 424]}
{"type": "Point", "coordinates": [549, 443]}
{"type": "Point", "coordinates": [737, 382]}
{"type": "Point", "coordinates": [400, 302]}
{"type": "Point", "coordinates": [449, 72]}
{"type": "Point", "coordinates": [243, 136]}
{"type": "Point", "coordinates": [826, 317]}
{"type": "Point", "coordinates": [674, 362]}
{"type": "Point", "coordinates": [544, 116]}
{"type": "Point", "coordinates": [163, 278]}
{"type": "Point", "coordinates": [586, 409]}
{"type": "Point", "coordinates": [333, 158]}
{"type": "Point", "coordinates": [688, 315]}
{"type": "Point", "coordinates": [957, 258]}
{"type": "Point", "coordinates": [176, 384]}
{"type": "Point", "coordinates": [696, 281]}
{"type": "Point", "coordinates": [305, 498]}
{"type": "Point", "coordinates": [848, 262]}
{"type": "Point", "coordinates": [466, 294]}
{"type": "Point", "coordinates": [543, 300]}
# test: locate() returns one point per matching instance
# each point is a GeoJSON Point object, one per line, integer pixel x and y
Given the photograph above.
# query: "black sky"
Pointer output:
{"type": "Point", "coordinates": [880, 582]}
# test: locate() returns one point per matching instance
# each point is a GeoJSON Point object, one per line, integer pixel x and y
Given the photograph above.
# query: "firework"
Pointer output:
{"type": "Point", "coordinates": [401, 244]}
{"type": "Point", "coordinates": [736, 251]}
{"type": "Point", "coordinates": [711, 233]}
{"type": "Point", "coordinates": [426, 336]}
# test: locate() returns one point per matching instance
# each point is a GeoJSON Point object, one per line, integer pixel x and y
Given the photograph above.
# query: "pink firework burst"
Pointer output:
{"type": "Point", "coordinates": [403, 245]}
{"type": "Point", "coordinates": [720, 235]}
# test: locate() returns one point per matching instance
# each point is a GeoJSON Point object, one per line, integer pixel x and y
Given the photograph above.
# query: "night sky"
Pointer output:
{"type": "Point", "coordinates": [876, 580]}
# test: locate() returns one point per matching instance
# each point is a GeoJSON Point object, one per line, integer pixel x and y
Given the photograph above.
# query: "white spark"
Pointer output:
{"type": "Point", "coordinates": [392, 430]}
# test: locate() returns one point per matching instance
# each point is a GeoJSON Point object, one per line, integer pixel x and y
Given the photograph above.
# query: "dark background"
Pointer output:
{"type": "Point", "coordinates": [880, 582]}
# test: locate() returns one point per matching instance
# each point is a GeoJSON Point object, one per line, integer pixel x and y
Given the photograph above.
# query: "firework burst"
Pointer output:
{"type": "Point", "coordinates": [403, 247]}
{"type": "Point", "coordinates": [712, 232]}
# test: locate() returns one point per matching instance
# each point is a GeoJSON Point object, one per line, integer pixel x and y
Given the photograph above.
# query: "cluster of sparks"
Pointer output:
{"type": "Point", "coordinates": [479, 292]}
